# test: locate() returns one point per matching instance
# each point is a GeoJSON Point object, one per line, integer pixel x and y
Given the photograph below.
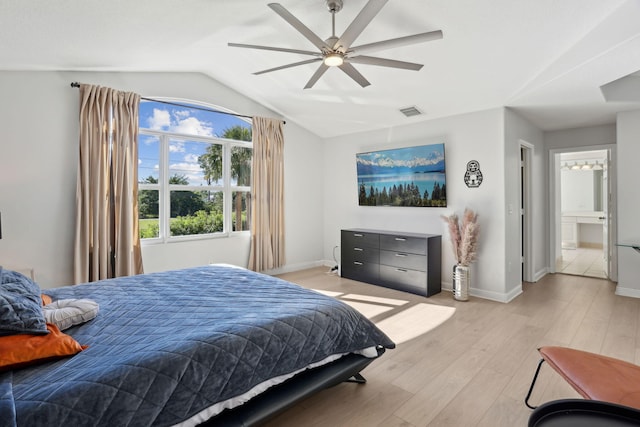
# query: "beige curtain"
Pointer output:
{"type": "Point", "coordinates": [107, 241]}
{"type": "Point", "coordinates": [267, 202]}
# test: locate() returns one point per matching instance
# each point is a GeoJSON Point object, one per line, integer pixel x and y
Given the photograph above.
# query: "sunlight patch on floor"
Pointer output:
{"type": "Point", "coordinates": [378, 300]}
{"type": "Point", "coordinates": [415, 321]}
{"type": "Point", "coordinates": [367, 309]}
{"type": "Point", "coordinates": [328, 293]}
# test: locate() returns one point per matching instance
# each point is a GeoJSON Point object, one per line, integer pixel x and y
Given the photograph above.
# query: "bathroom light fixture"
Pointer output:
{"type": "Point", "coordinates": [575, 166]}
{"type": "Point", "coordinates": [597, 166]}
{"type": "Point", "coordinates": [586, 167]}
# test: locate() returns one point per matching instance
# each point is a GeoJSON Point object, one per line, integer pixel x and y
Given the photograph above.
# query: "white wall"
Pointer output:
{"type": "Point", "coordinates": [476, 136]}
{"type": "Point", "coordinates": [518, 132]}
{"type": "Point", "coordinates": [38, 161]}
{"type": "Point", "coordinates": [580, 137]}
{"type": "Point", "coordinates": [628, 128]}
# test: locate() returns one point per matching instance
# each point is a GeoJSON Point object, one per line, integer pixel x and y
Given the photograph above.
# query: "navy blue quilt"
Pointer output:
{"type": "Point", "coordinates": [165, 346]}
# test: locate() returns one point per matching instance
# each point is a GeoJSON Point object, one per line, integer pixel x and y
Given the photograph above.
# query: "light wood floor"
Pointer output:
{"type": "Point", "coordinates": [475, 368]}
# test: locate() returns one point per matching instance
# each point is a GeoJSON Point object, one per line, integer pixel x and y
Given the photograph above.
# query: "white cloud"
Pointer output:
{"type": "Point", "coordinates": [179, 121]}
{"type": "Point", "coordinates": [191, 158]}
{"type": "Point", "coordinates": [193, 126]}
{"type": "Point", "coordinates": [160, 120]}
{"type": "Point", "coordinates": [176, 147]}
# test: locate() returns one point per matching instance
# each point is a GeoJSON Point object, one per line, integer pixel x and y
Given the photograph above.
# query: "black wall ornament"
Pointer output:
{"type": "Point", "coordinates": [473, 175]}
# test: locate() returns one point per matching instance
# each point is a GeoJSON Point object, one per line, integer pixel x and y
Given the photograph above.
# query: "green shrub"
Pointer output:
{"type": "Point", "coordinates": [201, 223]}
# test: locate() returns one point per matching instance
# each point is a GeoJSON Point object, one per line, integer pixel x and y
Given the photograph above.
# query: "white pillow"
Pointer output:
{"type": "Point", "coordinates": [65, 313]}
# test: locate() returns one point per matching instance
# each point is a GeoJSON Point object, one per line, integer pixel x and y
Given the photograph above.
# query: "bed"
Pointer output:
{"type": "Point", "coordinates": [216, 345]}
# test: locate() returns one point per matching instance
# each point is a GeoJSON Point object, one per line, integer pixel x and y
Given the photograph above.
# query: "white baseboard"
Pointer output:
{"type": "Point", "coordinates": [290, 268]}
{"type": "Point", "coordinates": [627, 292]}
{"type": "Point", "coordinates": [496, 296]}
{"type": "Point", "coordinates": [490, 295]}
{"type": "Point", "coordinates": [540, 274]}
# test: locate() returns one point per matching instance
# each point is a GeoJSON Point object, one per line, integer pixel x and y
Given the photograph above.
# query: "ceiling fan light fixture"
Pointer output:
{"type": "Point", "coordinates": [334, 59]}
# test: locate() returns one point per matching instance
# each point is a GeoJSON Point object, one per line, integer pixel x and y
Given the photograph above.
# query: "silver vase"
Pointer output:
{"type": "Point", "coordinates": [461, 282]}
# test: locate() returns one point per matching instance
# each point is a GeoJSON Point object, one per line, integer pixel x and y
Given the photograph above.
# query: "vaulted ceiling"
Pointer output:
{"type": "Point", "coordinates": [546, 58]}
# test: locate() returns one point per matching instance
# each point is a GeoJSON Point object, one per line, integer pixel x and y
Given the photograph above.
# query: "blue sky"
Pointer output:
{"type": "Point", "coordinates": [183, 154]}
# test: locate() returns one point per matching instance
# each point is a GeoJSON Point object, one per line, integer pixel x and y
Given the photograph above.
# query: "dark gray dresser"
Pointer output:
{"type": "Point", "coordinates": [405, 261]}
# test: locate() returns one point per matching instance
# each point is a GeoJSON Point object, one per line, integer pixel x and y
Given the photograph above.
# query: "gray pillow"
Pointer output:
{"type": "Point", "coordinates": [20, 305]}
{"type": "Point", "coordinates": [65, 313]}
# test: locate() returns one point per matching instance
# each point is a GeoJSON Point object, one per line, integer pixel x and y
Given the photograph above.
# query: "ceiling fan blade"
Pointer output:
{"type": "Point", "coordinates": [382, 62]}
{"type": "Point", "coordinates": [354, 74]}
{"type": "Point", "coordinates": [282, 67]}
{"type": "Point", "coordinates": [368, 12]}
{"type": "Point", "coordinates": [277, 49]}
{"type": "Point", "coordinates": [316, 76]}
{"type": "Point", "coordinates": [295, 23]}
{"type": "Point", "coordinates": [400, 41]}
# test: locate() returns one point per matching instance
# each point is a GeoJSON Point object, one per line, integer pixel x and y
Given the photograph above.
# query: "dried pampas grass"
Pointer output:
{"type": "Point", "coordinates": [464, 237]}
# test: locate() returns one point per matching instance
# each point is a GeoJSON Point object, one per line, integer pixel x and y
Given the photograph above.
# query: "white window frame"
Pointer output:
{"type": "Point", "coordinates": [164, 188]}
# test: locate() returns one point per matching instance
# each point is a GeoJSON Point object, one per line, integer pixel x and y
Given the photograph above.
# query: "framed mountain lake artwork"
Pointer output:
{"type": "Point", "coordinates": [411, 176]}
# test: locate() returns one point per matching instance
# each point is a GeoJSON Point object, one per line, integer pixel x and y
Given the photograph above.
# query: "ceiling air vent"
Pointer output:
{"type": "Point", "coordinates": [410, 111]}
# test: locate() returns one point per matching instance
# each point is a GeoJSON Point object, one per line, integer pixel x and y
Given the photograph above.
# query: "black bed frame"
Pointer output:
{"type": "Point", "coordinates": [278, 398]}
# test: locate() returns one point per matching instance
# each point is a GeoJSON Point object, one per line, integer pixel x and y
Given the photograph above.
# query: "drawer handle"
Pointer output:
{"type": "Point", "coordinates": [358, 249]}
{"type": "Point", "coordinates": [400, 239]}
{"type": "Point", "coordinates": [357, 235]}
{"type": "Point", "coordinates": [402, 255]}
{"type": "Point", "coordinates": [357, 263]}
{"type": "Point", "coordinates": [401, 270]}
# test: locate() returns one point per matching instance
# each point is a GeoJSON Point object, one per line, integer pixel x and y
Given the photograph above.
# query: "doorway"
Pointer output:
{"type": "Point", "coordinates": [526, 265]}
{"type": "Point", "coordinates": [582, 212]}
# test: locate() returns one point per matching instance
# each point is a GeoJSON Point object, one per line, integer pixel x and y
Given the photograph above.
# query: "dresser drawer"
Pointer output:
{"type": "Point", "coordinates": [362, 271]}
{"type": "Point", "coordinates": [404, 260]}
{"type": "Point", "coordinates": [355, 238]}
{"type": "Point", "coordinates": [350, 254]}
{"type": "Point", "coordinates": [413, 280]}
{"type": "Point", "coordinates": [399, 243]}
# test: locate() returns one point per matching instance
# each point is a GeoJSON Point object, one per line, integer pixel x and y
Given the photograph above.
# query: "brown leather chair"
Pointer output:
{"type": "Point", "coordinates": [594, 376]}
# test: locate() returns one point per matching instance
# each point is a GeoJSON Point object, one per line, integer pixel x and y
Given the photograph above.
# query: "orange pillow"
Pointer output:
{"type": "Point", "coordinates": [46, 299]}
{"type": "Point", "coordinates": [21, 350]}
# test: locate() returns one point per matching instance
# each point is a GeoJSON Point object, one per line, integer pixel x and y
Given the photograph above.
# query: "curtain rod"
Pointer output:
{"type": "Point", "coordinates": [77, 85]}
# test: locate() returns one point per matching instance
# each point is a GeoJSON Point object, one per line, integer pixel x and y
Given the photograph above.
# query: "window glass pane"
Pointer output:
{"type": "Point", "coordinates": [192, 120]}
{"type": "Point", "coordinates": [148, 214]}
{"type": "Point", "coordinates": [196, 212]}
{"type": "Point", "coordinates": [148, 158]}
{"type": "Point", "coordinates": [188, 148]}
{"type": "Point", "coordinates": [241, 211]}
{"type": "Point", "coordinates": [195, 163]}
{"type": "Point", "coordinates": [241, 166]}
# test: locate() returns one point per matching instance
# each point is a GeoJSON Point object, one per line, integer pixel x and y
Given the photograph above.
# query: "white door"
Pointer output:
{"type": "Point", "coordinates": [606, 198]}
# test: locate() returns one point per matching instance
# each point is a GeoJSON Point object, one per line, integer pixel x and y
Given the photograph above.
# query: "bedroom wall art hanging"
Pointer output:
{"type": "Point", "coordinates": [411, 176]}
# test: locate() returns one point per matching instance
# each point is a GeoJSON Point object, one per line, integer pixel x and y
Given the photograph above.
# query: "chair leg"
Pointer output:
{"type": "Point", "coordinates": [533, 382]}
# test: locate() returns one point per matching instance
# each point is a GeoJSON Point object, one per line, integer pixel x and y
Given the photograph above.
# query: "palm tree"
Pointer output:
{"type": "Point", "coordinates": [211, 163]}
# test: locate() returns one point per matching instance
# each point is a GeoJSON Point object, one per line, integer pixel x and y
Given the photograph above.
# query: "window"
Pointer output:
{"type": "Point", "coordinates": [194, 172]}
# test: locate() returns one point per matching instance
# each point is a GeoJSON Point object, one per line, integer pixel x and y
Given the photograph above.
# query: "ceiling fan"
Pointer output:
{"type": "Point", "coordinates": [338, 51]}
